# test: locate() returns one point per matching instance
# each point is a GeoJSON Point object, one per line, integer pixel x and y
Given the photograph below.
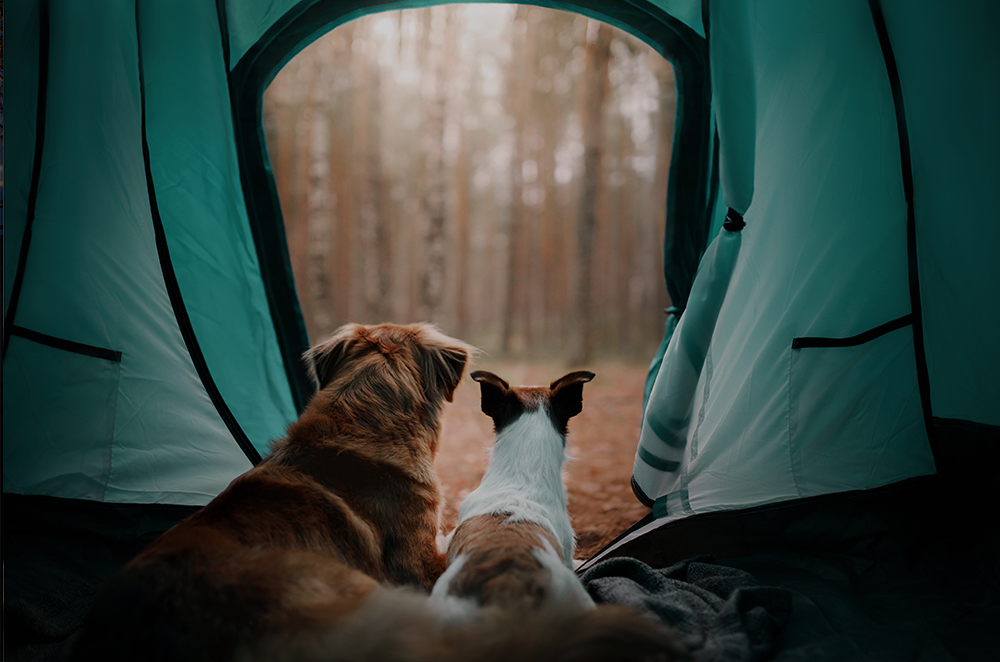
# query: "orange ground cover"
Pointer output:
{"type": "Point", "coordinates": [602, 439]}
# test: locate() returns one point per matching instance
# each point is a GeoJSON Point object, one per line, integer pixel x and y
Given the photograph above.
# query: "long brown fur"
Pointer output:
{"type": "Point", "coordinates": [345, 502]}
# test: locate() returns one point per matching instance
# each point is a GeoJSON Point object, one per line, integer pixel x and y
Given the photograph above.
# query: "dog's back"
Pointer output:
{"type": "Point", "coordinates": [514, 565]}
{"type": "Point", "coordinates": [510, 590]}
{"type": "Point", "coordinates": [514, 543]}
{"type": "Point", "coordinates": [345, 502]}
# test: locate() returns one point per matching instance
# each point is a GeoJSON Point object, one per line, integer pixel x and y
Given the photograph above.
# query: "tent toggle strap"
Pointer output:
{"type": "Point", "coordinates": [734, 220]}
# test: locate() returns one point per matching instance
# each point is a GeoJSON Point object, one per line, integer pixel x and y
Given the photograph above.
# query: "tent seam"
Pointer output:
{"type": "Point", "coordinates": [170, 278]}
{"type": "Point", "coordinates": [906, 167]}
{"type": "Point", "coordinates": [41, 106]}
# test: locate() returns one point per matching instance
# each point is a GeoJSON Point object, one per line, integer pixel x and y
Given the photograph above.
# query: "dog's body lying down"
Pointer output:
{"type": "Point", "coordinates": [327, 548]}
{"type": "Point", "coordinates": [346, 501]}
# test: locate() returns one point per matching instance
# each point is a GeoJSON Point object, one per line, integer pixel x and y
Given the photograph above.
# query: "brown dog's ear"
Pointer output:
{"type": "Point", "coordinates": [442, 360]}
{"type": "Point", "coordinates": [566, 397]}
{"type": "Point", "coordinates": [323, 360]}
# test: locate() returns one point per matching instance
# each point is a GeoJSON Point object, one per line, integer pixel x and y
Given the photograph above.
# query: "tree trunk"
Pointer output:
{"type": "Point", "coordinates": [595, 78]}
{"type": "Point", "coordinates": [373, 215]}
{"type": "Point", "coordinates": [436, 93]}
{"type": "Point", "coordinates": [519, 78]}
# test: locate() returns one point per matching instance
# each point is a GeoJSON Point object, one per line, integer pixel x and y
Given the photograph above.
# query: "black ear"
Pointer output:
{"type": "Point", "coordinates": [493, 391]}
{"type": "Point", "coordinates": [566, 398]}
{"type": "Point", "coordinates": [323, 360]}
{"type": "Point", "coordinates": [498, 401]}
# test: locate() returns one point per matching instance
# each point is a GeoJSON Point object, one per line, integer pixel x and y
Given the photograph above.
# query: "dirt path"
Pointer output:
{"type": "Point", "coordinates": [602, 439]}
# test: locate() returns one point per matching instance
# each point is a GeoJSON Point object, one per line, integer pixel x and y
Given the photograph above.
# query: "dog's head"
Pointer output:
{"type": "Point", "coordinates": [396, 368]}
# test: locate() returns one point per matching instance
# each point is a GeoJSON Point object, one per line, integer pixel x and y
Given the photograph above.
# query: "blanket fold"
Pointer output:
{"type": "Point", "coordinates": [721, 614]}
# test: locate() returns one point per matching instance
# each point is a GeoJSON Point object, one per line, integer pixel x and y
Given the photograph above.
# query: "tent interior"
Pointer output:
{"type": "Point", "coordinates": [823, 411]}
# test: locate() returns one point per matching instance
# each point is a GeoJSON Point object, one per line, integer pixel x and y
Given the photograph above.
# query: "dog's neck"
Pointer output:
{"type": "Point", "coordinates": [529, 454]}
{"type": "Point", "coordinates": [524, 478]}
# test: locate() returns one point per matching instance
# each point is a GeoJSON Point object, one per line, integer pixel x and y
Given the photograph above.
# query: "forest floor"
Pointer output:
{"type": "Point", "coordinates": [602, 440]}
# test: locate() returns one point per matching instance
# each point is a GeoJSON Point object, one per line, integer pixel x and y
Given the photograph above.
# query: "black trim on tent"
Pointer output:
{"type": "Point", "coordinates": [923, 379]}
{"type": "Point", "coordinates": [694, 169]}
{"type": "Point", "coordinates": [66, 345]}
{"type": "Point", "coordinates": [36, 170]}
{"type": "Point", "coordinates": [641, 496]}
{"type": "Point", "coordinates": [689, 199]}
{"type": "Point", "coordinates": [170, 278]}
{"type": "Point", "coordinates": [853, 341]}
{"type": "Point", "coordinates": [734, 221]}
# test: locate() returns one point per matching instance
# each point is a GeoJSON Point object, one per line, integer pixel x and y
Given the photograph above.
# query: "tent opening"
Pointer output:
{"type": "Point", "coordinates": [499, 170]}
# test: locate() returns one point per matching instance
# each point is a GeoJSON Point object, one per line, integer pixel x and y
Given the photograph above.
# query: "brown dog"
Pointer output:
{"type": "Point", "coordinates": [345, 502]}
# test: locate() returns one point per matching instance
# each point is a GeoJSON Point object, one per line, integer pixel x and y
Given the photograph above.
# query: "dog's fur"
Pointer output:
{"type": "Point", "coordinates": [326, 549]}
{"type": "Point", "coordinates": [346, 501]}
{"type": "Point", "coordinates": [514, 543]}
{"type": "Point", "coordinates": [512, 552]}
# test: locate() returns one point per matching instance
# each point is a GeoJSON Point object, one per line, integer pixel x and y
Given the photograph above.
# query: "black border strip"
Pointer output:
{"type": "Point", "coordinates": [860, 339]}
{"type": "Point", "coordinates": [923, 378]}
{"type": "Point", "coordinates": [36, 170]}
{"type": "Point", "coordinates": [170, 278]}
{"type": "Point", "coordinates": [66, 345]}
{"type": "Point", "coordinates": [972, 428]}
{"type": "Point", "coordinates": [641, 496]}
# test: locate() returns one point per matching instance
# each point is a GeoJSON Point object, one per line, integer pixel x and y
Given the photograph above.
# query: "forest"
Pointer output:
{"type": "Point", "coordinates": [500, 170]}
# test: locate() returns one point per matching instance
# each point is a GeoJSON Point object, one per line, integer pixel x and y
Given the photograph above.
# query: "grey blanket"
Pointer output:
{"type": "Point", "coordinates": [721, 614]}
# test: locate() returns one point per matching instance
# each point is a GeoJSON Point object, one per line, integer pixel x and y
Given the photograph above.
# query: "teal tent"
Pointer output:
{"type": "Point", "coordinates": [829, 368]}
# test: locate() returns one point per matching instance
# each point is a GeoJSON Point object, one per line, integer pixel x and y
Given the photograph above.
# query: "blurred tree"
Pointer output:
{"type": "Point", "coordinates": [593, 93]}
{"type": "Point", "coordinates": [499, 170]}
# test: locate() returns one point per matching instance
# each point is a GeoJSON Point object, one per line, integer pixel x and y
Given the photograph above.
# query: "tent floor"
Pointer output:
{"type": "Point", "coordinates": [885, 575]}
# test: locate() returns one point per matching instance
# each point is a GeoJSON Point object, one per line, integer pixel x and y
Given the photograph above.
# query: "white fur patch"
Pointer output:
{"type": "Point", "coordinates": [524, 478]}
{"type": "Point", "coordinates": [453, 610]}
{"type": "Point", "coordinates": [567, 589]}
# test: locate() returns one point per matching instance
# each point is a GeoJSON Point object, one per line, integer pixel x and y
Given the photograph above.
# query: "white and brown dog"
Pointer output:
{"type": "Point", "coordinates": [345, 503]}
{"type": "Point", "coordinates": [511, 556]}
{"type": "Point", "coordinates": [514, 543]}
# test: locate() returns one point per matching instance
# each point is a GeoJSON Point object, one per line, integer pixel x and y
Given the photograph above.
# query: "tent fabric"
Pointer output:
{"type": "Point", "coordinates": [766, 420]}
{"type": "Point", "coordinates": [889, 573]}
{"type": "Point", "coordinates": [98, 268]}
{"type": "Point", "coordinates": [821, 413]}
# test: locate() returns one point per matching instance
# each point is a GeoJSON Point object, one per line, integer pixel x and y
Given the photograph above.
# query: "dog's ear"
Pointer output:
{"type": "Point", "coordinates": [323, 360]}
{"type": "Point", "coordinates": [442, 361]}
{"type": "Point", "coordinates": [566, 398]}
{"type": "Point", "coordinates": [495, 394]}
